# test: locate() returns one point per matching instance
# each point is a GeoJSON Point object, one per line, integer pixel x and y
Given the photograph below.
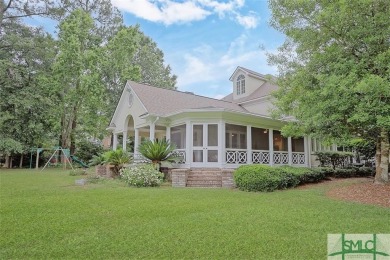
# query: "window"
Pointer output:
{"type": "Point", "coordinates": [240, 84]}
{"type": "Point", "coordinates": [178, 136]}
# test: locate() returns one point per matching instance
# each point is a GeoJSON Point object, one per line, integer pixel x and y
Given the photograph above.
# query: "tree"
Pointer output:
{"type": "Point", "coordinates": [26, 54]}
{"type": "Point", "coordinates": [76, 76]}
{"type": "Point", "coordinates": [107, 18]}
{"type": "Point", "coordinates": [334, 71]}
{"type": "Point", "coordinates": [150, 59]}
{"type": "Point", "coordinates": [131, 55]}
{"type": "Point", "coordinates": [14, 9]}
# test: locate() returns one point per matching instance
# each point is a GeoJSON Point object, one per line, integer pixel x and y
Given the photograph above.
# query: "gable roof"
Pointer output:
{"type": "Point", "coordinates": [264, 90]}
{"type": "Point", "coordinates": [248, 72]}
{"type": "Point", "coordinates": [162, 102]}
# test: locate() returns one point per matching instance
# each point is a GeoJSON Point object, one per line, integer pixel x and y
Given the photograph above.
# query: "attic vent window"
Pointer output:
{"type": "Point", "coordinates": [240, 84]}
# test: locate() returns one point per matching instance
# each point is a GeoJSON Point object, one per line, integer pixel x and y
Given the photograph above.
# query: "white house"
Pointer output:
{"type": "Point", "coordinates": [211, 133]}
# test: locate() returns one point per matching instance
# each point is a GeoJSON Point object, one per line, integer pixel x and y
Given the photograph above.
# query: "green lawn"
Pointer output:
{"type": "Point", "coordinates": [44, 215]}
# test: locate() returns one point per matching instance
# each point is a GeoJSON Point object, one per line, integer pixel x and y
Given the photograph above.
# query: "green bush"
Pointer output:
{"type": "Point", "coordinates": [267, 178]}
{"type": "Point", "coordinates": [333, 158]}
{"type": "Point", "coordinates": [365, 171]}
{"type": "Point", "coordinates": [345, 172]}
{"type": "Point", "coordinates": [326, 171]}
{"type": "Point", "coordinates": [86, 150]}
{"type": "Point", "coordinates": [143, 175]}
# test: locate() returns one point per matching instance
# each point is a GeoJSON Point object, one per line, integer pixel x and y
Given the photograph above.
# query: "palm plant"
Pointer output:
{"type": "Point", "coordinates": [158, 151]}
{"type": "Point", "coordinates": [118, 158]}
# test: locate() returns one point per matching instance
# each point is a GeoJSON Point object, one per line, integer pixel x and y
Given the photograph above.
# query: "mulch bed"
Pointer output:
{"type": "Point", "coordinates": [361, 190]}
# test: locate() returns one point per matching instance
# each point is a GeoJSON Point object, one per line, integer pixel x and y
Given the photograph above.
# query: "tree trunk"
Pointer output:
{"type": "Point", "coordinates": [6, 165]}
{"type": "Point", "coordinates": [73, 132]}
{"type": "Point", "coordinates": [382, 158]}
{"type": "Point", "coordinates": [21, 161]}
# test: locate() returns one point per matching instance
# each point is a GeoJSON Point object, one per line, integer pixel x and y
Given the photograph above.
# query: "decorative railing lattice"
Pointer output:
{"type": "Point", "coordinates": [180, 153]}
{"type": "Point", "coordinates": [261, 157]}
{"type": "Point", "coordinates": [236, 156]}
{"type": "Point", "coordinates": [280, 157]}
{"type": "Point", "coordinates": [298, 158]}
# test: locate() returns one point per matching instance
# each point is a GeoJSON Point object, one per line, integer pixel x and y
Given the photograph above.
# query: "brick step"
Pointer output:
{"type": "Point", "coordinates": [203, 186]}
{"type": "Point", "coordinates": [205, 173]}
{"type": "Point", "coordinates": [204, 178]}
{"type": "Point", "coordinates": [204, 182]}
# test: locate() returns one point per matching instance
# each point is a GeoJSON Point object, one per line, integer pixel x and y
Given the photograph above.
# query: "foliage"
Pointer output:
{"type": "Point", "coordinates": [158, 151]}
{"type": "Point", "coordinates": [267, 178]}
{"type": "Point", "coordinates": [25, 57]}
{"type": "Point", "coordinates": [333, 158]}
{"type": "Point", "coordinates": [9, 146]}
{"type": "Point", "coordinates": [143, 175]}
{"type": "Point", "coordinates": [334, 70]}
{"type": "Point", "coordinates": [87, 149]}
{"type": "Point", "coordinates": [118, 158]}
{"type": "Point", "coordinates": [99, 159]}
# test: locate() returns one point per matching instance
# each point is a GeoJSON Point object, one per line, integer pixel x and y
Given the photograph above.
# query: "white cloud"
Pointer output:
{"type": "Point", "coordinates": [249, 21]}
{"type": "Point", "coordinates": [164, 11]}
{"type": "Point", "coordinates": [174, 11]}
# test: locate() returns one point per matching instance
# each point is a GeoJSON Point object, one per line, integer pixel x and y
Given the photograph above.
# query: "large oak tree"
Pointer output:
{"type": "Point", "coordinates": [335, 70]}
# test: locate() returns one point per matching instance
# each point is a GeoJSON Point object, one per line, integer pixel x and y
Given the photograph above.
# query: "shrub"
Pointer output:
{"type": "Point", "coordinates": [326, 171]}
{"type": "Point", "coordinates": [365, 171]}
{"type": "Point", "coordinates": [118, 158]}
{"type": "Point", "coordinates": [333, 158]}
{"type": "Point", "coordinates": [86, 150]}
{"type": "Point", "coordinates": [267, 178]}
{"type": "Point", "coordinates": [345, 172]}
{"type": "Point", "coordinates": [143, 175]}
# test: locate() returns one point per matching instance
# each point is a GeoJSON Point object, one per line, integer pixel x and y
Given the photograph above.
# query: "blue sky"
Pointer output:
{"type": "Point", "coordinates": [205, 40]}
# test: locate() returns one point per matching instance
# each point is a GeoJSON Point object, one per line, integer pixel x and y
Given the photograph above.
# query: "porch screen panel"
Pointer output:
{"type": "Point", "coordinates": [280, 142]}
{"type": "Point", "coordinates": [260, 139]}
{"type": "Point", "coordinates": [298, 145]}
{"type": "Point", "coordinates": [197, 138]}
{"type": "Point", "coordinates": [212, 135]}
{"type": "Point", "coordinates": [235, 136]}
{"type": "Point", "coordinates": [178, 136]}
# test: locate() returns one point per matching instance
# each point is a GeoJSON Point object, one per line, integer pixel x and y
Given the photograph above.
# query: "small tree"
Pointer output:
{"type": "Point", "coordinates": [158, 151]}
{"type": "Point", "coordinates": [117, 158]}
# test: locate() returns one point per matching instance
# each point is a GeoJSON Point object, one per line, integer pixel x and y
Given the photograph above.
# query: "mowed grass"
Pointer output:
{"type": "Point", "coordinates": [45, 215]}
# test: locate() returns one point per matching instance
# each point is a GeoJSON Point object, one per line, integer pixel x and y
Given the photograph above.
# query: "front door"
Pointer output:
{"type": "Point", "coordinates": [204, 145]}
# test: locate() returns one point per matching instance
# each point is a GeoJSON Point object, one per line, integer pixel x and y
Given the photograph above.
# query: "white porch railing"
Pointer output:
{"type": "Point", "coordinates": [180, 153]}
{"type": "Point", "coordinates": [238, 156]}
{"type": "Point", "coordinates": [298, 158]}
{"type": "Point", "coordinates": [139, 158]}
{"type": "Point", "coordinates": [280, 157]}
{"type": "Point", "coordinates": [260, 156]}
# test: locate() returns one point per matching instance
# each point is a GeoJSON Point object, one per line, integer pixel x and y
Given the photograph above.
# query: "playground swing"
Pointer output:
{"type": "Point", "coordinates": [65, 155]}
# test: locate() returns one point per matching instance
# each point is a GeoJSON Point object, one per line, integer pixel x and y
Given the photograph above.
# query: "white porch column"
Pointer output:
{"type": "Point", "coordinates": [307, 146]}
{"type": "Point", "coordinates": [136, 140]}
{"type": "Point", "coordinates": [168, 133]}
{"type": "Point", "coordinates": [221, 142]}
{"type": "Point", "coordinates": [249, 144]}
{"type": "Point", "coordinates": [115, 141]}
{"type": "Point", "coordinates": [289, 149]}
{"type": "Point", "coordinates": [152, 129]}
{"type": "Point", "coordinates": [124, 141]}
{"type": "Point", "coordinates": [271, 146]}
{"type": "Point", "coordinates": [188, 143]}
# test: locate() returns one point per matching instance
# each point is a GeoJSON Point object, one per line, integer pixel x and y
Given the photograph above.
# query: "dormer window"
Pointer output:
{"type": "Point", "coordinates": [240, 84]}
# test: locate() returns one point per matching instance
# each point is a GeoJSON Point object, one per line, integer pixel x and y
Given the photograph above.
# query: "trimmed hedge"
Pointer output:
{"type": "Point", "coordinates": [266, 178]}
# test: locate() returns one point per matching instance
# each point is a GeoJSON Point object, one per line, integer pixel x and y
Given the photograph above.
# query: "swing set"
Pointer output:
{"type": "Point", "coordinates": [65, 156]}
